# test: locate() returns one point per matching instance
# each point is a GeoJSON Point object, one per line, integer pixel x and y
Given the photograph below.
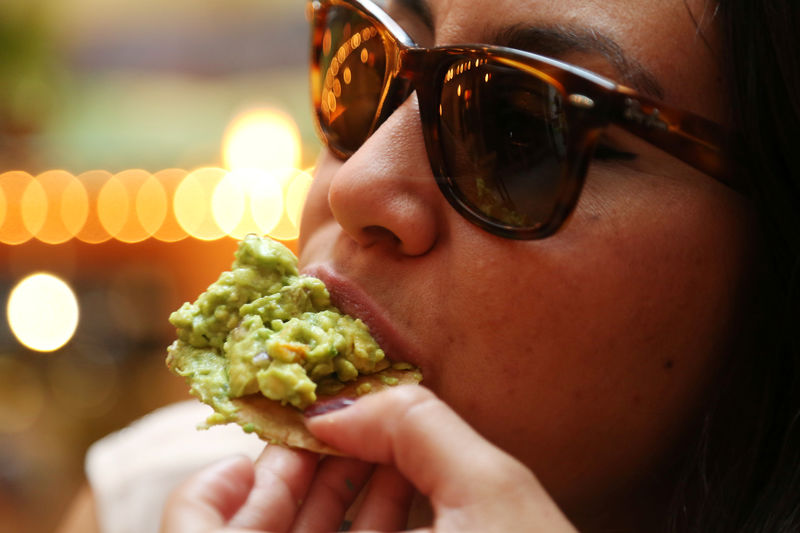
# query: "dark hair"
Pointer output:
{"type": "Point", "coordinates": [745, 474]}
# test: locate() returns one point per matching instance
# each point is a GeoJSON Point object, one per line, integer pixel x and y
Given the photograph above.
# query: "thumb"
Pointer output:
{"type": "Point", "coordinates": [409, 427]}
{"type": "Point", "coordinates": [209, 498]}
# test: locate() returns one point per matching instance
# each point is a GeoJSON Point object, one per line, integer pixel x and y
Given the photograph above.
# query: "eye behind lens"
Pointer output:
{"type": "Point", "coordinates": [606, 152]}
{"type": "Point", "coordinates": [503, 136]}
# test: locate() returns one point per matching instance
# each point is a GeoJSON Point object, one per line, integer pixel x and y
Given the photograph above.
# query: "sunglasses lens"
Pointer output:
{"type": "Point", "coordinates": [349, 76]}
{"type": "Point", "coordinates": [503, 141]}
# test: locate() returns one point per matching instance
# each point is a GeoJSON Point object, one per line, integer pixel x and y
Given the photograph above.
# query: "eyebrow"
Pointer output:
{"type": "Point", "coordinates": [422, 10]}
{"type": "Point", "coordinates": [558, 41]}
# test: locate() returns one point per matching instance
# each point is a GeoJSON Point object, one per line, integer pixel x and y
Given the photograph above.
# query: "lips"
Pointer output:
{"type": "Point", "coordinates": [352, 300]}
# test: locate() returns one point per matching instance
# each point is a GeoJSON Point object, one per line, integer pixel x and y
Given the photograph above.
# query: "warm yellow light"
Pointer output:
{"type": "Point", "coordinates": [266, 201]}
{"type": "Point", "coordinates": [74, 207]}
{"type": "Point", "coordinates": [113, 206]}
{"type": "Point", "coordinates": [42, 312]}
{"type": "Point", "coordinates": [3, 207]}
{"type": "Point", "coordinates": [33, 207]}
{"type": "Point", "coordinates": [265, 139]}
{"type": "Point", "coordinates": [133, 229]}
{"type": "Point", "coordinates": [66, 206]}
{"type": "Point", "coordinates": [193, 203]}
{"type": "Point", "coordinates": [248, 201]}
{"type": "Point", "coordinates": [230, 204]}
{"type": "Point", "coordinates": [151, 205]}
{"type": "Point", "coordinates": [285, 230]}
{"type": "Point", "coordinates": [170, 230]}
{"type": "Point", "coordinates": [92, 230]}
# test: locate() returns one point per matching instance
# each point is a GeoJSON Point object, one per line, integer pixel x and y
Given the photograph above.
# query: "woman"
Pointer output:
{"type": "Point", "coordinates": [612, 357]}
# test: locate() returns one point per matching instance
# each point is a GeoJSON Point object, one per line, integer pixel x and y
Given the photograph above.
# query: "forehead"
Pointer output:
{"type": "Point", "coordinates": [672, 40]}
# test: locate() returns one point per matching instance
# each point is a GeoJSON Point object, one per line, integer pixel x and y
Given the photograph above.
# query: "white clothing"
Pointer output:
{"type": "Point", "coordinates": [131, 472]}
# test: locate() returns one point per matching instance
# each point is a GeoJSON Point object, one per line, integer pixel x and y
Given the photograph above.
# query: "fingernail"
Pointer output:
{"type": "Point", "coordinates": [328, 406]}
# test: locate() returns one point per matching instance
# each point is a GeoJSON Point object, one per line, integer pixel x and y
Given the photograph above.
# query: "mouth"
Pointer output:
{"type": "Point", "coordinates": [352, 300]}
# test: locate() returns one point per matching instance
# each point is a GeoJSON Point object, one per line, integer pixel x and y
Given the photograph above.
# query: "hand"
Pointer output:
{"type": "Point", "coordinates": [416, 441]}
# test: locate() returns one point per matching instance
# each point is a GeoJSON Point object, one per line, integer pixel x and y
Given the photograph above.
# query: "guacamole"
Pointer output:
{"type": "Point", "coordinates": [262, 328]}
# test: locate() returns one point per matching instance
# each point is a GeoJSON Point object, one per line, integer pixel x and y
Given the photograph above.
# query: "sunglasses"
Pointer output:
{"type": "Point", "coordinates": [508, 134]}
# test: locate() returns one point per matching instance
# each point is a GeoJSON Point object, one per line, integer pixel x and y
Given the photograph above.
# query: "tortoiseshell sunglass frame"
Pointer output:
{"type": "Point", "coordinates": [593, 103]}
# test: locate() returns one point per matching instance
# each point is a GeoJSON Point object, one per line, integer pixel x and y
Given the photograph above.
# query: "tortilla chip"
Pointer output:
{"type": "Point", "coordinates": [283, 424]}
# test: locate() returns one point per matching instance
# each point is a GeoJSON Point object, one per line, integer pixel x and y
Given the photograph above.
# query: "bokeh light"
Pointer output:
{"type": "Point", "coordinates": [67, 206]}
{"type": "Point", "coordinates": [74, 206]}
{"type": "Point", "coordinates": [230, 204]}
{"type": "Point", "coordinates": [93, 230]}
{"type": "Point", "coordinates": [99, 132]}
{"type": "Point", "coordinates": [151, 205]}
{"type": "Point", "coordinates": [261, 191]}
{"type": "Point", "coordinates": [3, 207]}
{"type": "Point", "coordinates": [262, 148]}
{"type": "Point", "coordinates": [296, 194]}
{"type": "Point", "coordinates": [193, 203]}
{"type": "Point", "coordinates": [264, 139]}
{"type": "Point", "coordinates": [33, 207]}
{"type": "Point", "coordinates": [133, 229]}
{"type": "Point", "coordinates": [170, 230]}
{"type": "Point", "coordinates": [14, 184]}
{"type": "Point", "coordinates": [113, 206]}
{"type": "Point", "coordinates": [42, 312]}
{"type": "Point", "coordinates": [285, 230]}
{"type": "Point", "coordinates": [266, 202]}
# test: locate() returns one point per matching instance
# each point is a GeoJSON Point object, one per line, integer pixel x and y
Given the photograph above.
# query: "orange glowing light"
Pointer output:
{"type": "Point", "coordinates": [132, 229]}
{"type": "Point", "coordinates": [74, 206]}
{"type": "Point", "coordinates": [67, 206]}
{"type": "Point", "coordinates": [151, 205]}
{"type": "Point", "coordinates": [3, 207]}
{"type": "Point", "coordinates": [170, 230]}
{"type": "Point", "coordinates": [113, 206]}
{"type": "Point", "coordinates": [33, 206]}
{"type": "Point", "coordinates": [192, 203]}
{"type": "Point", "coordinates": [93, 230]}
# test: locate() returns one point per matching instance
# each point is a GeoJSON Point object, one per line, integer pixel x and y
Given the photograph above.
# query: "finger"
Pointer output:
{"type": "Point", "coordinates": [409, 427]}
{"type": "Point", "coordinates": [336, 485]}
{"type": "Point", "coordinates": [387, 502]}
{"type": "Point", "coordinates": [209, 498]}
{"type": "Point", "coordinates": [282, 477]}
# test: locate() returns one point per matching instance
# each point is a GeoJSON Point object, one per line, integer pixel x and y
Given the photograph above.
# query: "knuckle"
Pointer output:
{"type": "Point", "coordinates": [415, 401]}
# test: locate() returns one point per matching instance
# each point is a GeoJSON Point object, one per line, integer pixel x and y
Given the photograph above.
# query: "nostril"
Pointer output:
{"type": "Point", "coordinates": [377, 234]}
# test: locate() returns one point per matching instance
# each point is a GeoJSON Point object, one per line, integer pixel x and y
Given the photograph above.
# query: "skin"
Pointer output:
{"type": "Point", "coordinates": [586, 356]}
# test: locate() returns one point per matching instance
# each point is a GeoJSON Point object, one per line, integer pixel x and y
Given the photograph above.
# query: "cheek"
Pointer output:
{"type": "Point", "coordinates": [603, 338]}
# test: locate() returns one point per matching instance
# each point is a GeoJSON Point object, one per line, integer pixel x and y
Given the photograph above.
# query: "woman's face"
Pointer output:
{"type": "Point", "coordinates": [586, 354]}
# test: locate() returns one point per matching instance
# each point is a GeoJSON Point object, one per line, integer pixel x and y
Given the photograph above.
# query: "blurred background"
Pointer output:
{"type": "Point", "coordinates": [139, 139]}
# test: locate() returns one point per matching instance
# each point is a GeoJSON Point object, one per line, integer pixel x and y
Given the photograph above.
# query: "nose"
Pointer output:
{"type": "Point", "coordinates": [385, 193]}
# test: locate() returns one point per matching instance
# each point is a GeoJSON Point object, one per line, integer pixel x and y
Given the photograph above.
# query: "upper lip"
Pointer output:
{"type": "Point", "coordinates": [352, 300]}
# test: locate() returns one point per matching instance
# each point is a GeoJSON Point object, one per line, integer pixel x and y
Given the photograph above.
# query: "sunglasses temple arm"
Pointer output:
{"type": "Point", "coordinates": [692, 139]}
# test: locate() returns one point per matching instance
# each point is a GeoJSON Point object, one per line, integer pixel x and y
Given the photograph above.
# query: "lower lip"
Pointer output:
{"type": "Point", "coordinates": [349, 299]}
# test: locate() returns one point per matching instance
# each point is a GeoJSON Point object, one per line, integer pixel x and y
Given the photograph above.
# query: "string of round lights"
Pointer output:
{"type": "Point", "coordinates": [260, 190]}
